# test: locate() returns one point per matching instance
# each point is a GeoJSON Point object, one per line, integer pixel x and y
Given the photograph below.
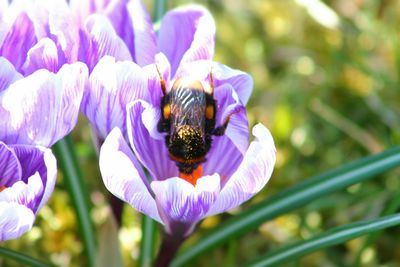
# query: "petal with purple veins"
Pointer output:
{"type": "Point", "coordinates": [15, 220]}
{"type": "Point", "coordinates": [35, 159]}
{"type": "Point", "coordinates": [10, 169]}
{"type": "Point", "coordinates": [240, 81]}
{"type": "Point", "coordinates": [8, 74]}
{"type": "Point", "coordinates": [147, 143]}
{"type": "Point", "coordinates": [186, 33]}
{"type": "Point", "coordinates": [144, 45]}
{"type": "Point", "coordinates": [123, 176]}
{"type": "Point", "coordinates": [111, 86]}
{"type": "Point", "coordinates": [99, 39]}
{"type": "Point", "coordinates": [182, 205]}
{"type": "Point", "coordinates": [43, 107]}
{"type": "Point", "coordinates": [230, 107]}
{"type": "Point", "coordinates": [223, 158]}
{"type": "Point", "coordinates": [83, 9]}
{"type": "Point", "coordinates": [235, 140]}
{"type": "Point", "coordinates": [43, 55]}
{"type": "Point", "coordinates": [53, 19]}
{"type": "Point", "coordinates": [20, 38]}
{"type": "Point", "coordinates": [27, 194]}
{"type": "Point", "coordinates": [252, 174]}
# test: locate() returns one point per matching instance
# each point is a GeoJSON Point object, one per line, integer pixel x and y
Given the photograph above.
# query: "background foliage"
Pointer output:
{"type": "Point", "coordinates": [326, 84]}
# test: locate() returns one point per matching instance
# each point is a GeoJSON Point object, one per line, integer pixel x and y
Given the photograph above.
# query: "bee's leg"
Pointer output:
{"type": "Point", "coordinates": [163, 126]}
{"type": "Point", "coordinates": [162, 82]}
{"type": "Point", "coordinates": [220, 130]}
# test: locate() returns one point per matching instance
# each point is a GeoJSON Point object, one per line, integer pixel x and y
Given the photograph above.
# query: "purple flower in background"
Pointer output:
{"type": "Point", "coordinates": [38, 34]}
{"type": "Point", "coordinates": [233, 171]}
{"type": "Point", "coordinates": [35, 112]}
{"type": "Point", "coordinates": [27, 177]}
{"type": "Point", "coordinates": [123, 32]}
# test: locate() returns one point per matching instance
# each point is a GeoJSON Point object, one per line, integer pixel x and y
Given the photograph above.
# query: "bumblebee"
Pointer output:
{"type": "Point", "coordinates": [188, 116]}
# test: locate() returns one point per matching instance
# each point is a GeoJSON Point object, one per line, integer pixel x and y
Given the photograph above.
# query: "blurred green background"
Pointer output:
{"type": "Point", "coordinates": [326, 85]}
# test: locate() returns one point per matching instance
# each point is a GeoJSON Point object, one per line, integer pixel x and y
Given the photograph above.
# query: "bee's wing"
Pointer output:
{"type": "Point", "coordinates": [188, 108]}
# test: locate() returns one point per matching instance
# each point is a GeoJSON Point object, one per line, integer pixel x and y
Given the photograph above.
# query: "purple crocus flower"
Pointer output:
{"type": "Point", "coordinates": [35, 112]}
{"type": "Point", "coordinates": [233, 171]}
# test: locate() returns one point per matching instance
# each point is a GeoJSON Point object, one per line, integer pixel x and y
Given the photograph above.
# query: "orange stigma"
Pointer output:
{"type": "Point", "coordinates": [2, 188]}
{"type": "Point", "coordinates": [192, 178]}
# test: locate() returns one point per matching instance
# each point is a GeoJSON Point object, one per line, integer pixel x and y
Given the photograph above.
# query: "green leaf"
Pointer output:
{"type": "Point", "coordinates": [148, 242]}
{"type": "Point", "coordinates": [390, 208]}
{"type": "Point", "coordinates": [24, 260]}
{"type": "Point", "coordinates": [64, 150]}
{"type": "Point", "coordinates": [330, 238]}
{"type": "Point", "coordinates": [293, 198]}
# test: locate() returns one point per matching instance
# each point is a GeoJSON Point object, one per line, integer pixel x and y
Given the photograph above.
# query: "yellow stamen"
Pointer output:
{"type": "Point", "coordinates": [2, 188]}
{"type": "Point", "coordinates": [192, 177]}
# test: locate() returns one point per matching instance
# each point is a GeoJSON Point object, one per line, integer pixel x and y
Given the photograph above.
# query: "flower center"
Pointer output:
{"type": "Point", "coordinates": [192, 177]}
{"type": "Point", "coordinates": [2, 188]}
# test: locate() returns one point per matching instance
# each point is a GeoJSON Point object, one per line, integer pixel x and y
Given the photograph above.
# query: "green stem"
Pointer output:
{"type": "Point", "coordinates": [160, 6]}
{"type": "Point", "coordinates": [148, 242]}
{"type": "Point", "coordinates": [330, 238]}
{"type": "Point", "coordinates": [24, 260]}
{"type": "Point", "coordinates": [66, 155]}
{"type": "Point", "coordinates": [295, 197]}
{"type": "Point", "coordinates": [169, 247]}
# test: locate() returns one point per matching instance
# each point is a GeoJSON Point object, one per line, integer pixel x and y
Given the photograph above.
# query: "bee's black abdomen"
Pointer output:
{"type": "Point", "coordinates": [187, 144]}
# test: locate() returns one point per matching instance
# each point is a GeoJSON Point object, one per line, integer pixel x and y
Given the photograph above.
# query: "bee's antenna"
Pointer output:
{"type": "Point", "coordinates": [163, 88]}
{"type": "Point", "coordinates": [211, 81]}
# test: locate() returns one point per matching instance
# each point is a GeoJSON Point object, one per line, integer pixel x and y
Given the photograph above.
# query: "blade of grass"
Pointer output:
{"type": "Point", "coordinates": [23, 259]}
{"type": "Point", "coordinates": [66, 155]}
{"type": "Point", "coordinates": [293, 198]}
{"type": "Point", "coordinates": [330, 238]}
{"type": "Point", "coordinates": [390, 208]}
{"type": "Point", "coordinates": [148, 242]}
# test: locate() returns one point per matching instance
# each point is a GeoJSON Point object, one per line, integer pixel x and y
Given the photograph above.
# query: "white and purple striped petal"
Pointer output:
{"type": "Point", "coordinates": [181, 205]}
{"type": "Point", "coordinates": [186, 34]}
{"type": "Point", "coordinates": [98, 39]}
{"type": "Point", "coordinates": [19, 39]}
{"type": "Point", "coordinates": [147, 143]}
{"type": "Point", "coordinates": [40, 161]}
{"type": "Point", "coordinates": [125, 178]}
{"type": "Point", "coordinates": [10, 168]}
{"type": "Point", "coordinates": [43, 55]}
{"type": "Point", "coordinates": [8, 74]}
{"type": "Point", "coordinates": [252, 174]}
{"type": "Point", "coordinates": [112, 85]}
{"type": "Point", "coordinates": [43, 107]}
{"type": "Point", "coordinates": [144, 48]}
{"type": "Point", "coordinates": [53, 19]}
{"type": "Point", "coordinates": [240, 81]}
{"type": "Point", "coordinates": [15, 220]}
